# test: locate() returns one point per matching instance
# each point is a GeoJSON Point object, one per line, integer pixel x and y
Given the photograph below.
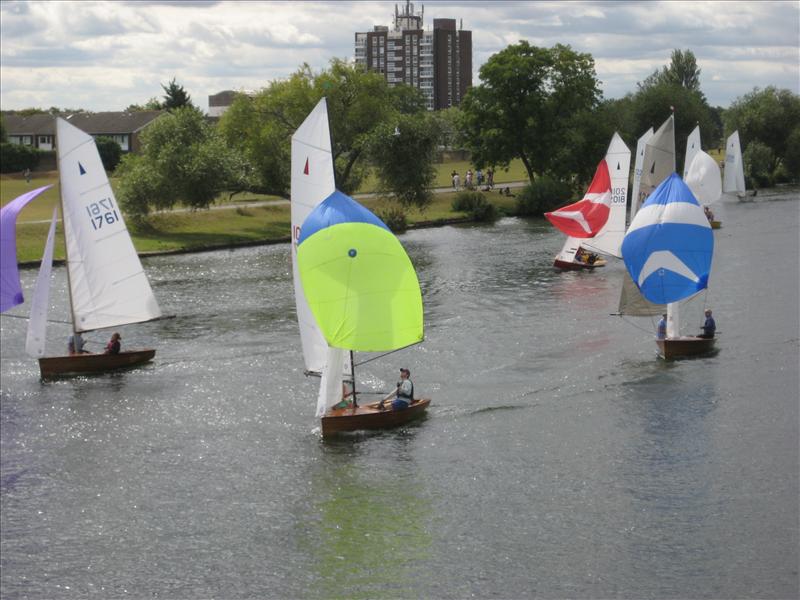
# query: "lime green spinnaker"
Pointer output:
{"type": "Point", "coordinates": [361, 287]}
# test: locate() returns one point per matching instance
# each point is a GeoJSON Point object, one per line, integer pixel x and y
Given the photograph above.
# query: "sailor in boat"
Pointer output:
{"type": "Point", "coordinates": [75, 344]}
{"type": "Point", "coordinates": [661, 330]}
{"type": "Point", "coordinates": [114, 344]}
{"type": "Point", "coordinates": [403, 395]}
{"type": "Point", "coordinates": [709, 327]}
{"type": "Point", "coordinates": [709, 214]}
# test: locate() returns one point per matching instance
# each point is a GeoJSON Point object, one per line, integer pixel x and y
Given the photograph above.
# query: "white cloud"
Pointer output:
{"type": "Point", "coordinates": [106, 55]}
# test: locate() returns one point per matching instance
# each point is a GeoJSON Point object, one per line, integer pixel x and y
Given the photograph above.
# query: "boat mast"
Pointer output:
{"type": "Point", "coordinates": [353, 376]}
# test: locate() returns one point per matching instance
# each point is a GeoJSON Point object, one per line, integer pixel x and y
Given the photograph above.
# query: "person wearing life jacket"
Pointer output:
{"type": "Point", "coordinates": [403, 396]}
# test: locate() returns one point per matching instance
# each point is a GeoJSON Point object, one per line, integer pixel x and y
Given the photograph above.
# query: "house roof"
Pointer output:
{"type": "Point", "coordinates": [91, 123]}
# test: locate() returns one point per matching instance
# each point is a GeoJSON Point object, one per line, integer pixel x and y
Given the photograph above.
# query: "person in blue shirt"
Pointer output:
{"type": "Point", "coordinates": [661, 330]}
{"type": "Point", "coordinates": [403, 396]}
{"type": "Point", "coordinates": [709, 327]}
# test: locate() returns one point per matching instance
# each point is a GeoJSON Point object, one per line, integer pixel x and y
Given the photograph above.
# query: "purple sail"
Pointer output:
{"type": "Point", "coordinates": [10, 287]}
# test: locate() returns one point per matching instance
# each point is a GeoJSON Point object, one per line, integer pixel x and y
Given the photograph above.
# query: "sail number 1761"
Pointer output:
{"type": "Point", "coordinates": [102, 211]}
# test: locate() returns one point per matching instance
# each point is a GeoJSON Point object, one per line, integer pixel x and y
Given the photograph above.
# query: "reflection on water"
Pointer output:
{"type": "Point", "coordinates": [560, 457]}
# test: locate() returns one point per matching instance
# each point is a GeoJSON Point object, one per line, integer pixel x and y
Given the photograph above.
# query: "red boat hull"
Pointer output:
{"type": "Point", "coordinates": [370, 417]}
{"type": "Point", "coordinates": [78, 364]}
{"type": "Point", "coordinates": [684, 346]}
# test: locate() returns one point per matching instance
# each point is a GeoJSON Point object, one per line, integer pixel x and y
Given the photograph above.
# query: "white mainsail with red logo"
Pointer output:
{"type": "Point", "coordinates": [597, 222]}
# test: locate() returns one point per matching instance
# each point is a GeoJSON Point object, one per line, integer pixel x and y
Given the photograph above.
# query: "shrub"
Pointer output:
{"type": "Point", "coordinates": [758, 159]}
{"type": "Point", "coordinates": [110, 152]}
{"type": "Point", "coordinates": [475, 205]}
{"type": "Point", "coordinates": [541, 196]}
{"type": "Point", "coordinates": [16, 157]}
{"type": "Point", "coordinates": [394, 217]}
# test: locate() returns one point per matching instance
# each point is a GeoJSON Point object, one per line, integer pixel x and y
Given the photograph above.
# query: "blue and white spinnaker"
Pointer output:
{"type": "Point", "coordinates": [669, 245]}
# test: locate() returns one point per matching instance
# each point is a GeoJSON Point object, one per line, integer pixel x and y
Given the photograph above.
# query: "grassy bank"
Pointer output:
{"type": "Point", "coordinates": [202, 229]}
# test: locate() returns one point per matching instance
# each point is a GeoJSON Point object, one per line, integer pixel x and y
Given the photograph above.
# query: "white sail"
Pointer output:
{"type": "Point", "coordinates": [692, 148]}
{"type": "Point", "coordinates": [569, 250]}
{"type": "Point", "coordinates": [704, 179]}
{"type": "Point", "coordinates": [657, 154]}
{"type": "Point", "coordinates": [312, 182]}
{"type": "Point", "coordinates": [609, 239]}
{"type": "Point", "coordinates": [659, 158]}
{"type": "Point", "coordinates": [636, 199]}
{"type": "Point", "coordinates": [107, 283]}
{"type": "Point", "coordinates": [733, 177]}
{"type": "Point", "coordinates": [37, 325]}
{"type": "Point", "coordinates": [330, 386]}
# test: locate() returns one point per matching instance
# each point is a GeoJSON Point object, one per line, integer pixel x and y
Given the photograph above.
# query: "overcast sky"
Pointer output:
{"type": "Point", "coordinates": [107, 55]}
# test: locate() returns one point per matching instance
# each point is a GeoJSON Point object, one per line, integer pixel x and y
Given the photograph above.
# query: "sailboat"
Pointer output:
{"type": "Point", "coordinates": [733, 175]}
{"type": "Point", "coordinates": [10, 285]}
{"type": "Point", "coordinates": [701, 173]}
{"type": "Point", "coordinates": [107, 284]}
{"type": "Point", "coordinates": [596, 223]}
{"type": "Point", "coordinates": [355, 287]}
{"type": "Point", "coordinates": [668, 252]}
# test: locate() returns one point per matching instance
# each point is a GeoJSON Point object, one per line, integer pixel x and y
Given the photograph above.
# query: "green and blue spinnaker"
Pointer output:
{"type": "Point", "coordinates": [357, 278]}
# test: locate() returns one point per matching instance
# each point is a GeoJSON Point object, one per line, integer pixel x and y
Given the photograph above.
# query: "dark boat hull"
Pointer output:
{"type": "Point", "coordinates": [78, 364]}
{"type": "Point", "coordinates": [369, 417]}
{"type": "Point", "coordinates": [684, 346]}
{"type": "Point", "coordinates": [715, 224]}
{"type": "Point", "coordinates": [577, 266]}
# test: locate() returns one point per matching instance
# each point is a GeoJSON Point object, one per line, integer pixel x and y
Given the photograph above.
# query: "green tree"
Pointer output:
{"type": "Point", "coordinates": [768, 116]}
{"type": "Point", "coordinates": [175, 96]}
{"type": "Point", "coordinates": [653, 104]}
{"type": "Point", "coordinates": [110, 152]}
{"type": "Point", "coordinates": [404, 154]}
{"type": "Point", "coordinates": [681, 71]}
{"type": "Point", "coordinates": [183, 160]}
{"type": "Point", "coordinates": [526, 104]}
{"type": "Point", "coordinates": [152, 104]}
{"type": "Point", "coordinates": [3, 132]}
{"type": "Point", "coordinates": [262, 126]}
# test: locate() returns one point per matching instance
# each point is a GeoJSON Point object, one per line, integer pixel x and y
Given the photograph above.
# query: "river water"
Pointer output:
{"type": "Point", "coordinates": [560, 457]}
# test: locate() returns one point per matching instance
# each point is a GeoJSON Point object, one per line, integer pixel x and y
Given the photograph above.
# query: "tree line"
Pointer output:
{"type": "Point", "coordinates": [542, 106]}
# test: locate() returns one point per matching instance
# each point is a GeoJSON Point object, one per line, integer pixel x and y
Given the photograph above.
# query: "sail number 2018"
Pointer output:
{"type": "Point", "coordinates": [619, 195]}
{"type": "Point", "coordinates": [102, 211]}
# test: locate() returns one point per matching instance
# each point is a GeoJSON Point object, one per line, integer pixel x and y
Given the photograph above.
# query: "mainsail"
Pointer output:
{"type": "Point", "coordinates": [108, 286]}
{"type": "Point", "coordinates": [659, 158]}
{"type": "Point", "coordinates": [312, 182]}
{"type": "Point", "coordinates": [733, 177]}
{"type": "Point", "coordinates": [636, 196]}
{"type": "Point", "coordinates": [609, 239]}
{"type": "Point", "coordinates": [10, 287]}
{"type": "Point", "coordinates": [692, 148]}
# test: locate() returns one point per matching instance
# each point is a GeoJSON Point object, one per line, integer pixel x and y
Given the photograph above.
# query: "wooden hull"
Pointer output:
{"type": "Point", "coordinates": [715, 224]}
{"type": "Point", "coordinates": [369, 417]}
{"type": "Point", "coordinates": [578, 266]}
{"type": "Point", "coordinates": [78, 364]}
{"type": "Point", "coordinates": [684, 346]}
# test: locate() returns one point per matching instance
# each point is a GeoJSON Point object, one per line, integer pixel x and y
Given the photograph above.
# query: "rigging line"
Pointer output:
{"type": "Point", "coordinates": [386, 354]}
